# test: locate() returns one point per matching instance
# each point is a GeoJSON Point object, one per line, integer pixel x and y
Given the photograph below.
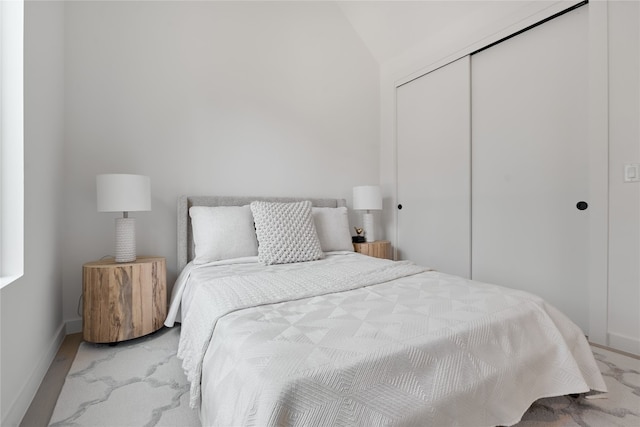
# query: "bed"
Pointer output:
{"type": "Point", "coordinates": [300, 330]}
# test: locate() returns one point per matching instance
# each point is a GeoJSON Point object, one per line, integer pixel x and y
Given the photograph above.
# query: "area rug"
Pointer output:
{"type": "Point", "coordinates": [135, 383]}
{"type": "Point", "coordinates": [141, 383]}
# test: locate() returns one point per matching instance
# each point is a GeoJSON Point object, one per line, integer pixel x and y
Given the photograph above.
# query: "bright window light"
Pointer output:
{"type": "Point", "coordinates": [11, 141]}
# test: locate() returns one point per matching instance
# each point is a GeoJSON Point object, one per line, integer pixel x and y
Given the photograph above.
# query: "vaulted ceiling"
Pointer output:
{"type": "Point", "coordinates": [390, 28]}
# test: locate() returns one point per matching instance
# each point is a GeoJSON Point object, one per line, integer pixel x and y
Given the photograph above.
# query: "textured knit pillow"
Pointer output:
{"type": "Point", "coordinates": [286, 232]}
{"type": "Point", "coordinates": [332, 225]}
{"type": "Point", "coordinates": [222, 232]}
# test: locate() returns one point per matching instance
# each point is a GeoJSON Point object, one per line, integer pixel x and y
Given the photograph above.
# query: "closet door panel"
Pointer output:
{"type": "Point", "coordinates": [433, 155]}
{"type": "Point", "coordinates": [529, 157]}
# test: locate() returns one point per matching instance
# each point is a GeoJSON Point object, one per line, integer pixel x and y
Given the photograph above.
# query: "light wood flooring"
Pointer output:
{"type": "Point", "coordinates": [41, 408]}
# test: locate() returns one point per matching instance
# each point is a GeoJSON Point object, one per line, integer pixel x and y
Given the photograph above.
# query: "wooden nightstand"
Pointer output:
{"type": "Point", "coordinates": [121, 301]}
{"type": "Point", "coordinates": [378, 249]}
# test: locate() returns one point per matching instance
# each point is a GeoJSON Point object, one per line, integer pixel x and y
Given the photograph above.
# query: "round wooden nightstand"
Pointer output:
{"type": "Point", "coordinates": [378, 249]}
{"type": "Point", "coordinates": [121, 301]}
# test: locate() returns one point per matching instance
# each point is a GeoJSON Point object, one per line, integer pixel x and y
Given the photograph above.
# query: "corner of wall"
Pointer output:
{"type": "Point", "coordinates": [73, 326]}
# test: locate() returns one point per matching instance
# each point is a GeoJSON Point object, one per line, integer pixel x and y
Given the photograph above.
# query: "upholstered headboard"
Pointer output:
{"type": "Point", "coordinates": [186, 248]}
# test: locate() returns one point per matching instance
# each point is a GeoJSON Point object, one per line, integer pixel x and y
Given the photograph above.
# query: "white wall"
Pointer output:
{"type": "Point", "coordinates": [624, 198]}
{"type": "Point", "coordinates": [222, 98]}
{"type": "Point", "coordinates": [31, 313]}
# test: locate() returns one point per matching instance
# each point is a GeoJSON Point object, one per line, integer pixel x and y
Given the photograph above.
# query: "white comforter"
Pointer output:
{"type": "Point", "coordinates": [390, 345]}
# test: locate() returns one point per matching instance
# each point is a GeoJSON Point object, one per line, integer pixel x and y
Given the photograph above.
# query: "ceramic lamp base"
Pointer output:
{"type": "Point", "coordinates": [125, 239]}
{"type": "Point", "coordinates": [367, 224]}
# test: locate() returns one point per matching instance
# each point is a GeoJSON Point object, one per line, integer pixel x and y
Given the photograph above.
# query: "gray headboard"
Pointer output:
{"type": "Point", "coordinates": [185, 236]}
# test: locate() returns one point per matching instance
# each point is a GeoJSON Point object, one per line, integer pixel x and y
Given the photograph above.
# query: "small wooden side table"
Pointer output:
{"type": "Point", "coordinates": [378, 249]}
{"type": "Point", "coordinates": [121, 301]}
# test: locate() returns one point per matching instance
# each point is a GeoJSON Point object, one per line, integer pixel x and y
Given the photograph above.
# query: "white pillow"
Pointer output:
{"type": "Point", "coordinates": [332, 225]}
{"type": "Point", "coordinates": [222, 232]}
{"type": "Point", "coordinates": [286, 232]}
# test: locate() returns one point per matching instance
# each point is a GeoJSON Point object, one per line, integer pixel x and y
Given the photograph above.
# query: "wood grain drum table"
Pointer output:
{"type": "Point", "coordinates": [378, 249]}
{"type": "Point", "coordinates": [123, 300]}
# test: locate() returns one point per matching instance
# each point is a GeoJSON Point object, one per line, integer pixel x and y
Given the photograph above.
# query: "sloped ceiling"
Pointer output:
{"type": "Point", "coordinates": [390, 28]}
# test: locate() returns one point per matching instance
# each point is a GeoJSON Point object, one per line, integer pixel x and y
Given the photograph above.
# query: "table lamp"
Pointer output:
{"type": "Point", "coordinates": [124, 193]}
{"type": "Point", "coordinates": [367, 198]}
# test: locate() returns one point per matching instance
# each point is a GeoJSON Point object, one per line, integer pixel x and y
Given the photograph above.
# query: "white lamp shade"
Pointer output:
{"type": "Point", "coordinates": [123, 193]}
{"type": "Point", "coordinates": [367, 197]}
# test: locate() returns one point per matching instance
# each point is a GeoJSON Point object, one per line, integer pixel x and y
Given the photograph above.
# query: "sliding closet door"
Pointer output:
{"type": "Point", "coordinates": [529, 157]}
{"type": "Point", "coordinates": [433, 127]}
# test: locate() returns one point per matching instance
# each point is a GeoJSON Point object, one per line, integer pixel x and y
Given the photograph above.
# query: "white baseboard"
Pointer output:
{"type": "Point", "coordinates": [624, 343]}
{"type": "Point", "coordinates": [25, 395]}
{"type": "Point", "coordinates": [73, 326]}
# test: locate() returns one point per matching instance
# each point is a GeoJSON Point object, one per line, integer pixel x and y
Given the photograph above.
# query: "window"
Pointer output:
{"type": "Point", "coordinates": [11, 141]}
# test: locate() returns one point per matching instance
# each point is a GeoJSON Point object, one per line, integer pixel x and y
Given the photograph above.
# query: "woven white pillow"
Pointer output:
{"type": "Point", "coordinates": [332, 225]}
{"type": "Point", "coordinates": [286, 232]}
{"type": "Point", "coordinates": [222, 232]}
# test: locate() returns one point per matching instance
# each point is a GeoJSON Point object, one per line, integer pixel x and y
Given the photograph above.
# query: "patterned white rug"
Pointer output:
{"type": "Point", "coordinates": [141, 383]}
{"type": "Point", "coordinates": [136, 383]}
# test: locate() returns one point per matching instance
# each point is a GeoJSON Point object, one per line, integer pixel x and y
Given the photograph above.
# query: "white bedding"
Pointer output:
{"type": "Point", "coordinates": [420, 347]}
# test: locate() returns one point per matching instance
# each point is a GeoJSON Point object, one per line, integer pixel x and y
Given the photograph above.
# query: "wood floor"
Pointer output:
{"type": "Point", "coordinates": [41, 409]}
